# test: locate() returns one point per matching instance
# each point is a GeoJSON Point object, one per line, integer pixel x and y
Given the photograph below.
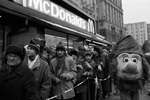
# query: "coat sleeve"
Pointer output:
{"type": "Point", "coordinates": [46, 82]}
{"type": "Point", "coordinates": [30, 87]}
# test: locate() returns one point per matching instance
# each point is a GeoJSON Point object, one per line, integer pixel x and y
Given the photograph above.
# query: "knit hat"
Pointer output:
{"type": "Point", "coordinates": [16, 49]}
{"type": "Point", "coordinates": [126, 45]}
{"type": "Point", "coordinates": [60, 47]}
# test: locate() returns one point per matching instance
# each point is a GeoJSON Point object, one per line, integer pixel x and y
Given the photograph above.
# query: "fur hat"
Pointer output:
{"type": "Point", "coordinates": [127, 45]}
{"type": "Point", "coordinates": [16, 49]}
{"type": "Point", "coordinates": [36, 47]}
{"type": "Point", "coordinates": [39, 41]}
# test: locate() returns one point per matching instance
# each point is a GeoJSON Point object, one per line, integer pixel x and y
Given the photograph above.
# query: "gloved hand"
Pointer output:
{"type": "Point", "coordinates": [87, 73]}
{"type": "Point", "coordinates": [57, 80]}
{"type": "Point", "coordinates": [67, 76]}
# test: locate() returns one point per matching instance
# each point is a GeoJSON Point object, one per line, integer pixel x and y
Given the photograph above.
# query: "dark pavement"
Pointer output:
{"type": "Point", "coordinates": [143, 97]}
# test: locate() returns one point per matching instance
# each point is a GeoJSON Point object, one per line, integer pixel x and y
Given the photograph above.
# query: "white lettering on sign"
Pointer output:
{"type": "Point", "coordinates": [54, 10]}
{"type": "Point", "coordinates": [49, 8]}
{"type": "Point", "coordinates": [46, 7]}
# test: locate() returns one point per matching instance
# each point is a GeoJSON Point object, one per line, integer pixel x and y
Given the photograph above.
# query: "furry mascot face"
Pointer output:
{"type": "Point", "coordinates": [129, 59]}
{"type": "Point", "coordinates": [129, 66]}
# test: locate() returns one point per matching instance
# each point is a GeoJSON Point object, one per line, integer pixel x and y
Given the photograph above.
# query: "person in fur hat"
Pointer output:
{"type": "Point", "coordinates": [17, 82]}
{"type": "Point", "coordinates": [131, 68]}
{"type": "Point", "coordinates": [41, 42]}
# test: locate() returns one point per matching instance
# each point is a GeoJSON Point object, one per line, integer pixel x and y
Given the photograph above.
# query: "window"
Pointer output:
{"type": "Point", "coordinates": [54, 37]}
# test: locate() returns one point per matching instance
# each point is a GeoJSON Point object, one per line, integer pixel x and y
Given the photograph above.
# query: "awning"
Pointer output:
{"type": "Point", "coordinates": [16, 9]}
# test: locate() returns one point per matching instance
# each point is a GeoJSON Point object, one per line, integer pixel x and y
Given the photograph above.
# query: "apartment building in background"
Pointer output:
{"type": "Point", "coordinates": [138, 30]}
{"type": "Point", "coordinates": [110, 19]}
{"type": "Point", "coordinates": [148, 31]}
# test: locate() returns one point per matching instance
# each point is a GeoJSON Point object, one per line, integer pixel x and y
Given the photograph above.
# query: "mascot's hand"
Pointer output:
{"type": "Point", "coordinates": [67, 76]}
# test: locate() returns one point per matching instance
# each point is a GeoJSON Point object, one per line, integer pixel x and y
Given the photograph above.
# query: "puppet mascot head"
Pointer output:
{"type": "Point", "coordinates": [127, 57]}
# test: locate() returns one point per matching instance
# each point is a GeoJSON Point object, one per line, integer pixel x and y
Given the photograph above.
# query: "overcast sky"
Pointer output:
{"type": "Point", "coordinates": [136, 11]}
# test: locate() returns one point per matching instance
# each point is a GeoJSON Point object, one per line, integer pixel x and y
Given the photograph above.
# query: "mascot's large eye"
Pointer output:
{"type": "Point", "coordinates": [125, 59]}
{"type": "Point", "coordinates": [134, 60]}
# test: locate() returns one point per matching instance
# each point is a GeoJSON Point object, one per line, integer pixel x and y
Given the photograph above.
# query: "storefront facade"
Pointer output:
{"type": "Point", "coordinates": [22, 20]}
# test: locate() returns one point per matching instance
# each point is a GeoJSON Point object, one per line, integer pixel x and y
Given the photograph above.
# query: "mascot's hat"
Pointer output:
{"type": "Point", "coordinates": [127, 45]}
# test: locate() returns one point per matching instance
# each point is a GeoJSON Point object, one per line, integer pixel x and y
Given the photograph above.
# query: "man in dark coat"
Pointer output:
{"type": "Point", "coordinates": [17, 82]}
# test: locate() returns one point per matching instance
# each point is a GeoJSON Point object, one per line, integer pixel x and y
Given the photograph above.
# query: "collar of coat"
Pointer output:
{"type": "Point", "coordinates": [19, 71]}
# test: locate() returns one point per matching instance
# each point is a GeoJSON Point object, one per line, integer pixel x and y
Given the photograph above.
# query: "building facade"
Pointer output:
{"type": "Point", "coordinates": [138, 31]}
{"type": "Point", "coordinates": [52, 20]}
{"type": "Point", "coordinates": [87, 6]}
{"type": "Point", "coordinates": [110, 19]}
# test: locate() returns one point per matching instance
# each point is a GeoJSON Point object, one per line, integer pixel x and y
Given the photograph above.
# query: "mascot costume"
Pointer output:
{"type": "Point", "coordinates": [130, 69]}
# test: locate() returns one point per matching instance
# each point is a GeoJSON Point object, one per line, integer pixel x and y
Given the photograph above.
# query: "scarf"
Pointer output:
{"type": "Point", "coordinates": [60, 67]}
{"type": "Point", "coordinates": [31, 63]}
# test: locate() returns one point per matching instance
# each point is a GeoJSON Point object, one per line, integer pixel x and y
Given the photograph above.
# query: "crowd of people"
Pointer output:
{"type": "Point", "coordinates": [35, 72]}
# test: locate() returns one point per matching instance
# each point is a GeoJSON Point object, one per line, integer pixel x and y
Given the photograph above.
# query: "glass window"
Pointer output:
{"type": "Point", "coordinates": [69, 41]}
{"type": "Point", "coordinates": [54, 37]}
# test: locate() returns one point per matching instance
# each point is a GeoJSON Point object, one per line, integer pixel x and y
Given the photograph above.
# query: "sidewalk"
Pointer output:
{"type": "Point", "coordinates": [113, 97]}
{"type": "Point", "coordinates": [116, 97]}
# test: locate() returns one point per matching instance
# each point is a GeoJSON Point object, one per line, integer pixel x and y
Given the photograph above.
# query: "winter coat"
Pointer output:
{"type": "Point", "coordinates": [64, 85]}
{"type": "Point", "coordinates": [18, 84]}
{"type": "Point", "coordinates": [42, 76]}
